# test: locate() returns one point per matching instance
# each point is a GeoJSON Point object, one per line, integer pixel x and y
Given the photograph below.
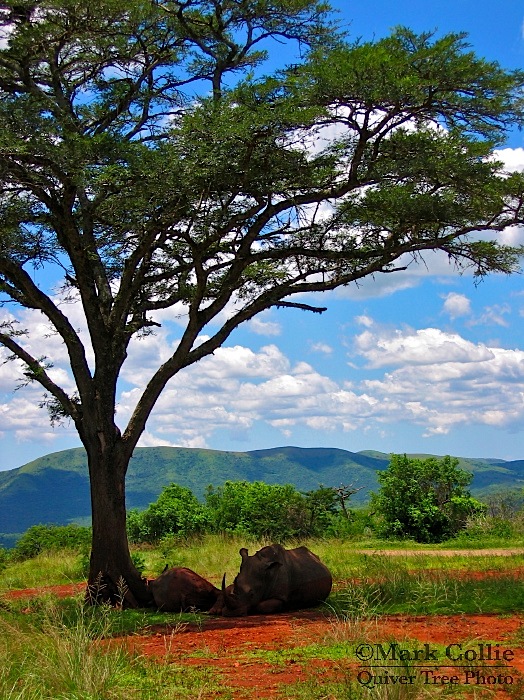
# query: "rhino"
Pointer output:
{"type": "Point", "coordinates": [272, 580]}
{"type": "Point", "coordinates": [179, 590]}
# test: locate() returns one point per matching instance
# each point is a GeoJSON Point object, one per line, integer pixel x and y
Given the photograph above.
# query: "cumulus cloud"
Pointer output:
{"type": "Point", "coordinates": [456, 305]}
{"type": "Point", "coordinates": [423, 347]}
{"type": "Point", "coordinates": [261, 325]}
{"type": "Point", "coordinates": [513, 158]}
{"type": "Point", "coordinates": [24, 421]}
{"type": "Point", "coordinates": [425, 377]}
{"type": "Point", "coordinates": [441, 380]}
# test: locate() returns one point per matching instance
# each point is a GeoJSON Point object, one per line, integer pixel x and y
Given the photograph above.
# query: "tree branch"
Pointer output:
{"type": "Point", "coordinates": [304, 307]}
{"type": "Point", "coordinates": [36, 372]}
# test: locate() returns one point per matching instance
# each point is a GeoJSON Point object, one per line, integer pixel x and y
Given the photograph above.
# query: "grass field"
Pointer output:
{"type": "Point", "coordinates": [53, 649]}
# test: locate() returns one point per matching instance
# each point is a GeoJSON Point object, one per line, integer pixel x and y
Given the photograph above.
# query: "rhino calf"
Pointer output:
{"type": "Point", "coordinates": [180, 590]}
{"type": "Point", "coordinates": [274, 579]}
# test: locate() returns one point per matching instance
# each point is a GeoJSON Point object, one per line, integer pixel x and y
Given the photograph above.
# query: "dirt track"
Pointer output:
{"type": "Point", "coordinates": [443, 552]}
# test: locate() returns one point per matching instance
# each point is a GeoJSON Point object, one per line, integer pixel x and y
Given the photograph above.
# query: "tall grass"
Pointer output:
{"type": "Point", "coordinates": [48, 568]}
{"type": "Point", "coordinates": [388, 586]}
{"type": "Point", "coordinates": [65, 653]}
{"type": "Point", "coordinates": [55, 660]}
{"type": "Point", "coordinates": [212, 555]}
{"type": "Point", "coordinates": [209, 555]}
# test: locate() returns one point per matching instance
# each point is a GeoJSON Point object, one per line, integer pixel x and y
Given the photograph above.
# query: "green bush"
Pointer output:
{"type": "Point", "coordinates": [259, 510]}
{"type": "Point", "coordinates": [176, 512]}
{"type": "Point", "coordinates": [424, 499]}
{"type": "Point", "coordinates": [41, 538]}
{"type": "Point", "coordinates": [485, 527]}
{"type": "Point", "coordinates": [4, 558]}
{"type": "Point", "coordinates": [356, 524]}
{"type": "Point", "coordinates": [270, 511]}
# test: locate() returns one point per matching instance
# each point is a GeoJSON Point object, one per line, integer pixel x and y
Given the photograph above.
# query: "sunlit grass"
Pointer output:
{"type": "Point", "coordinates": [389, 587]}
{"type": "Point", "coordinates": [46, 569]}
{"type": "Point", "coordinates": [52, 649]}
{"type": "Point", "coordinates": [211, 555]}
{"type": "Point", "coordinates": [60, 652]}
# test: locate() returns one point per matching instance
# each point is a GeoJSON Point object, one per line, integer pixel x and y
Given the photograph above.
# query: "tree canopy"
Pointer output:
{"type": "Point", "coordinates": [152, 160]}
{"type": "Point", "coordinates": [424, 499]}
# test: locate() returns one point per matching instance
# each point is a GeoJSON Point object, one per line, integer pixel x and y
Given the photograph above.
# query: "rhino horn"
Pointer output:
{"type": "Point", "coordinates": [227, 596]}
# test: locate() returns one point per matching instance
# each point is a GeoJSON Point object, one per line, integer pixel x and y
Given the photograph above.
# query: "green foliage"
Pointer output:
{"type": "Point", "coordinates": [4, 558]}
{"type": "Point", "coordinates": [57, 651]}
{"type": "Point", "coordinates": [359, 524]}
{"type": "Point", "coordinates": [270, 511]}
{"type": "Point", "coordinates": [139, 561]}
{"type": "Point", "coordinates": [151, 468]}
{"type": "Point", "coordinates": [41, 538]}
{"type": "Point", "coordinates": [255, 509]}
{"type": "Point", "coordinates": [501, 522]}
{"type": "Point", "coordinates": [321, 508]}
{"type": "Point", "coordinates": [424, 499]}
{"type": "Point", "coordinates": [176, 512]}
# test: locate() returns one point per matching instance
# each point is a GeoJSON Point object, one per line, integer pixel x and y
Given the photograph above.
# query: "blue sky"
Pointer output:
{"type": "Point", "coordinates": [420, 361]}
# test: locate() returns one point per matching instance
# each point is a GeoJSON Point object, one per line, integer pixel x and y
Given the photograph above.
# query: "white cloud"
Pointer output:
{"type": "Point", "coordinates": [364, 320]}
{"type": "Point", "coordinates": [435, 380]}
{"type": "Point", "coordinates": [261, 326]}
{"type": "Point", "coordinates": [513, 158]}
{"type": "Point", "coordinates": [323, 348]}
{"type": "Point", "coordinates": [442, 381]}
{"type": "Point", "coordinates": [21, 417]}
{"type": "Point", "coordinates": [456, 305]}
{"type": "Point", "coordinates": [432, 379]}
{"type": "Point", "coordinates": [422, 347]}
{"type": "Point", "coordinates": [493, 315]}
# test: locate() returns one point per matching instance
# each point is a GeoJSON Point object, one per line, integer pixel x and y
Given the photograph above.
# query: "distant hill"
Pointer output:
{"type": "Point", "coordinates": [55, 488]}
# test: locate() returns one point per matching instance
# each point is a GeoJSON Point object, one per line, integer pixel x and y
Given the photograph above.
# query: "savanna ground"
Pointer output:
{"type": "Point", "coordinates": [397, 606]}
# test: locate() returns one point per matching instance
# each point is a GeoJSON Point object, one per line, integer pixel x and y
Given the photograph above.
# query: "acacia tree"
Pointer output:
{"type": "Point", "coordinates": [146, 158]}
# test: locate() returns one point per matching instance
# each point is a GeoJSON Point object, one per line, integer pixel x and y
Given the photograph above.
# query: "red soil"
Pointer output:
{"type": "Point", "coordinates": [63, 591]}
{"type": "Point", "coordinates": [226, 644]}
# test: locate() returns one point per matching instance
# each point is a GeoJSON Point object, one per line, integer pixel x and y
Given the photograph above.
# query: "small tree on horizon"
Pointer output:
{"type": "Point", "coordinates": [148, 164]}
{"type": "Point", "coordinates": [424, 499]}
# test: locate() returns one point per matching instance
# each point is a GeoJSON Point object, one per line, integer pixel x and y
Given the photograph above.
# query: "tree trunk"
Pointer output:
{"type": "Point", "coordinates": [113, 578]}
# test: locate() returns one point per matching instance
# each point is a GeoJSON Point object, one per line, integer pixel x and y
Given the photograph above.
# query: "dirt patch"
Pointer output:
{"type": "Point", "coordinates": [234, 647]}
{"type": "Point", "coordinates": [65, 590]}
{"type": "Point", "coordinates": [227, 645]}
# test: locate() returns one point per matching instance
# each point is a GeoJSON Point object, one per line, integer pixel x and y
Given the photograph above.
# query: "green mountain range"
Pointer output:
{"type": "Point", "coordinates": [55, 488]}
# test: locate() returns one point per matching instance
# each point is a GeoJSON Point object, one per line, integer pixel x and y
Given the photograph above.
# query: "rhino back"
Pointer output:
{"type": "Point", "coordinates": [179, 589]}
{"type": "Point", "coordinates": [309, 581]}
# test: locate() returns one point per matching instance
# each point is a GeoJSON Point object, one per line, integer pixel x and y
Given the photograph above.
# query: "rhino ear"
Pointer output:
{"type": "Point", "coordinates": [243, 553]}
{"type": "Point", "coordinates": [273, 564]}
